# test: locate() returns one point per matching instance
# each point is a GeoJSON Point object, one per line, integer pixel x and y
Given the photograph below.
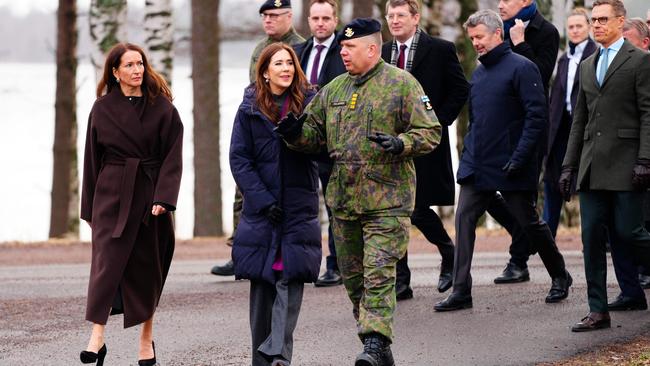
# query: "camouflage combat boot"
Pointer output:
{"type": "Point", "coordinates": [376, 351]}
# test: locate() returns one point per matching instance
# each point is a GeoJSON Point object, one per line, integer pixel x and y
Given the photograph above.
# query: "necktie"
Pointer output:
{"type": "Point", "coordinates": [313, 77]}
{"type": "Point", "coordinates": [572, 48]}
{"type": "Point", "coordinates": [603, 66]}
{"type": "Point", "coordinates": [400, 58]}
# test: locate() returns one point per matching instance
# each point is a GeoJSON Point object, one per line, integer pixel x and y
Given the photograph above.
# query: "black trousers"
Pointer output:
{"type": "Point", "coordinates": [472, 204]}
{"type": "Point", "coordinates": [429, 223]}
{"type": "Point", "coordinates": [273, 315]}
{"type": "Point", "coordinates": [520, 247]}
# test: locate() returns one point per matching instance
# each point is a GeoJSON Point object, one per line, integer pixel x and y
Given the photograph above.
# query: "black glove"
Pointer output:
{"type": "Point", "coordinates": [512, 170]}
{"type": "Point", "coordinates": [641, 174]}
{"type": "Point", "coordinates": [389, 143]}
{"type": "Point", "coordinates": [567, 176]}
{"type": "Point", "coordinates": [274, 214]}
{"type": "Point", "coordinates": [290, 127]}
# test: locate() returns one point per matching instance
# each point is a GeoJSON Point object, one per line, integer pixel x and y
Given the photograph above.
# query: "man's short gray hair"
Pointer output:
{"type": "Point", "coordinates": [488, 18]}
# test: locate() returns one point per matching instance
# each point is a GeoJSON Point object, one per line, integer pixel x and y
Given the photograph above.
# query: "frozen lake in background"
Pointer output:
{"type": "Point", "coordinates": [27, 94]}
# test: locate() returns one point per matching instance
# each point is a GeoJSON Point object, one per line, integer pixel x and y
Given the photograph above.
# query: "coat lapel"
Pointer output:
{"type": "Point", "coordinates": [421, 51]}
{"type": "Point", "coordinates": [621, 57]}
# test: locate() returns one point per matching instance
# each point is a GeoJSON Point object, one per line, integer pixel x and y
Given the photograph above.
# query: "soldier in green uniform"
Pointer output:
{"type": "Point", "coordinates": [372, 120]}
{"type": "Point", "coordinates": [276, 18]}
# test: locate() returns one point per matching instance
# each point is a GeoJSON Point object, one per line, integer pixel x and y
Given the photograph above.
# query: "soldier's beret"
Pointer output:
{"type": "Point", "coordinates": [275, 4]}
{"type": "Point", "coordinates": [359, 27]}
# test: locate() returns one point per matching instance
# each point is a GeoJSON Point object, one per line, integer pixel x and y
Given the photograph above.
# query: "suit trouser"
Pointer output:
{"type": "Point", "coordinates": [472, 203]}
{"type": "Point", "coordinates": [324, 172]}
{"type": "Point", "coordinates": [368, 249]}
{"type": "Point", "coordinates": [553, 200]}
{"type": "Point", "coordinates": [429, 223]}
{"type": "Point", "coordinates": [273, 314]}
{"type": "Point", "coordinates": [619, 214]}
{"type": "Point", "coordinates": [520, 246]}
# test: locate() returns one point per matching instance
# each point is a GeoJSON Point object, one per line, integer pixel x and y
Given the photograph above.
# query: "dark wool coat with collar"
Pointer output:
{"type": "Point", "coordinates": [132, 160]}
{"type": "Point", "coordinates": [508, 114]}
{"type": "Point", "coordinates": [268, 173]}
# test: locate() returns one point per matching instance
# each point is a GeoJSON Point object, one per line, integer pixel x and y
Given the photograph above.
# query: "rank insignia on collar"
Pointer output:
{"type": "Point", "coordinates": [353, 101]}
{"type": "Point", "coordinates": [278, 3]}
{"type": "Point", "coordinates": [349, 32]}
{"type": "Point", "coordinates": [427, 103]}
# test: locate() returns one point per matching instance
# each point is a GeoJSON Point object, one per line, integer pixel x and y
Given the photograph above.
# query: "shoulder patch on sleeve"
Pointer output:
{"type": "Point", "coordinates": [427, 103]}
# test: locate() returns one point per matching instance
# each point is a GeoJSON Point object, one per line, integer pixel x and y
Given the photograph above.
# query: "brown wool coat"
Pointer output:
{"type": "Point", "coordinates": [132, 160]}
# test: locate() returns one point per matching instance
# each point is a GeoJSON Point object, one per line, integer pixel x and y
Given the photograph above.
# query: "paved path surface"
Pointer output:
{"type": "Point", "coordinates": [203, 319]}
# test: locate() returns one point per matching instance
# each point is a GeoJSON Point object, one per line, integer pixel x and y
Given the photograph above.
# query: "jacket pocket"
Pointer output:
{"type": "Point", "coordinates": [379, 192]}
{"type": "Point", "coordinates": [628, 133]}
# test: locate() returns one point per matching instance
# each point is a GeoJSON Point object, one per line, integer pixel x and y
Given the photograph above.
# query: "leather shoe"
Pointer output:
{"type": "Point", "coordinates": [624, 303]}
{"type": "Point", "coordinates": [445, 281]}
{"type": "Point", "coordinates": [559, 288]}
{"type": "Point", "coordinates": [592, 321]}
{"type": "Point", "coordinates": [227, 269]}
{"type": "Point", "coordinates": [644, 281]}
{"type": "Point", "coordinates": [513, 274]}
{"type": "Point", "coordinates": [455, 301]}
{"type": "Point", "coordinates": [404, 293]}
{"type": "Point", "coordinates": [331, 277]}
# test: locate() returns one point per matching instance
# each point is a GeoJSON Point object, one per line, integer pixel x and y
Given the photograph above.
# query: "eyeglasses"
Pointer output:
{"type": "Point", "coordinates": [398, 16]}
{"type": "Point", "coordinates": [272, 16]}
{"type": "Point", "coordinates": [601, 20]}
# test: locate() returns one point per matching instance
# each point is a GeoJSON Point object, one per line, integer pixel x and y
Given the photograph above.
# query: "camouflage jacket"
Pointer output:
{"type": "Point", "coordinates": [291, 38]}
{"type": "Point", "coordinates": [366, 180]}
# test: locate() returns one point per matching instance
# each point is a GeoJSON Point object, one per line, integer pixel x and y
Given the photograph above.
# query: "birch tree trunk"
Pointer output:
{"type": "Point", "coordinates": [205, 81]}
{"type": "Point", "coordinates": [159, 27]}
{"type": "Point", "coordinates": [107, 19]}
{"type": "Point", "coordinates": [64, 212]}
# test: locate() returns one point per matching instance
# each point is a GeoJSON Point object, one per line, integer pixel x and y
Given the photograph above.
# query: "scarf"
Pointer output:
{"type": "Point", "coordinates": [408, 63]}
{"type": "Point", "coordinates": [525, 14]}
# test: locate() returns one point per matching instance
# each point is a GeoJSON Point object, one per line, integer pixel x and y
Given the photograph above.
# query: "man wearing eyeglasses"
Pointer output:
{"type": "Point", "coordinates": [433, 62]}
{"type": "Point", "coordinates": [321, 60]}
{"type": "Point", "coordinates": [609, 154]}
{"type": "Point", "coordinates": [276, 18]}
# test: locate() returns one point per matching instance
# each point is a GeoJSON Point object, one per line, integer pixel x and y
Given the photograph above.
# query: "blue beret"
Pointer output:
{"type": "Point", "coordinates": [359, 27]}
{"type": "Point", "coordinates": [275, 4]}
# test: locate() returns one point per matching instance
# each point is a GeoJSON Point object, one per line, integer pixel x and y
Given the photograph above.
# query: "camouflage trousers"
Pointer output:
{"type": "Point", "coordinates": [237, 206]}
{"type": "Point", "coordinates": [367, 251]}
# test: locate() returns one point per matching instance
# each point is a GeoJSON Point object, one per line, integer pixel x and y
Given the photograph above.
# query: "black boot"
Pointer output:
{"type": "Point", "coordinates": [376, 351]}
{"type": "Point", "coordinates": [227, 269]}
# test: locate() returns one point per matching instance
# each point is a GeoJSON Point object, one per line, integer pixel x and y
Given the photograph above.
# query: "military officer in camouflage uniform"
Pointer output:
{"type": "Point", "coordinates": [372, 120]}
{"type": "Point", "coordinates": [276, 19]}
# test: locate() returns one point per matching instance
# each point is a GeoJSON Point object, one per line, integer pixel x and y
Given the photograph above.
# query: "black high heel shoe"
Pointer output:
{"type": "Point", "coordinates": [150, 361]}
{"type": "Point", "coordinates": [92, 357]}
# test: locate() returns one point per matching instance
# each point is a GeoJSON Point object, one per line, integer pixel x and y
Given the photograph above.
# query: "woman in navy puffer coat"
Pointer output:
{"type": "Point", "coordinates": [277, 244]}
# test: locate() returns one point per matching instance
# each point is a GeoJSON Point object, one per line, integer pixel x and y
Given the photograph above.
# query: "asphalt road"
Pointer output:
{"type": "Point", "coordinates": [203, 319]}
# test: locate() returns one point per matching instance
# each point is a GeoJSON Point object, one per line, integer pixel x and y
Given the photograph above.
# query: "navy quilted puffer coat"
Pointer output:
{"type": "Point", "coordinates": [268, 173]}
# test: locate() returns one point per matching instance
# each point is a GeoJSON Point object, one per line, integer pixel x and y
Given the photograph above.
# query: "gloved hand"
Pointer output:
{"type": "Point", "coordinates": [511, 170]}
{"type": "Point", "coordinates": [567, 176]}
{"type": "Point", "coordinates": [389, 143]}
{"type": "Point", "coordinates": [274, 214]}
{"type": "Point", "coordinates": [641, 174]}
{"type": "Point", "coordinates": [290, 127]}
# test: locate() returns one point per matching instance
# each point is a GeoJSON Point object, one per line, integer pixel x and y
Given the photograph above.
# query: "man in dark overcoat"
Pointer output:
{"type": "Point", "coordinates": [609, 153]}
{"type": "Point", "coordinates": [537, 39]}
{"type": "Point", "coordinates": [320, 59]}
{"type": "Point", "coordinates": [434, 64]}
{"type": "Point", "coordinates": [508, 114]}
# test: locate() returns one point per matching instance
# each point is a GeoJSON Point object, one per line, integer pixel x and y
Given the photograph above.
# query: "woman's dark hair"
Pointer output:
{"type": "Point", "coordinates": [152, 83]}
{"type": "Point", "coordinates": [296, 90]}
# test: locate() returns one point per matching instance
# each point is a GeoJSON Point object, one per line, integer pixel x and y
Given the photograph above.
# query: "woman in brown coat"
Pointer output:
{"type": "Point", "coordinates": [131, 179]}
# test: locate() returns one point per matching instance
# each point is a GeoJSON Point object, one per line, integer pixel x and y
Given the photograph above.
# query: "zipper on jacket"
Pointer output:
{"type": "Point", "coordinates": [338, 127]}
{"type": "Point", "coordinates": [369, 121]}
{"type": "Point", "coordinates": [380, 179]}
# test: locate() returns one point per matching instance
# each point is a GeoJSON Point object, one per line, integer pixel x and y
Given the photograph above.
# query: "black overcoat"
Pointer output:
{"type": "Point", "coordinates": [131, 161]}
{"type": "Point", "coordinates": [436, 67]}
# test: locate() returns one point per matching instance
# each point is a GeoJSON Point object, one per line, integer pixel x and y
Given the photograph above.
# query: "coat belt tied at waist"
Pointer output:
{"type": "Point", "coordinates": [127, 189]}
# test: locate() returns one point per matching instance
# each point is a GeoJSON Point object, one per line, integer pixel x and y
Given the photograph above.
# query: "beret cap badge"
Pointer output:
{"type": "Point", "coordinates": [349, 32]}
{"type": "Point", "coordinates": [277, 3]}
